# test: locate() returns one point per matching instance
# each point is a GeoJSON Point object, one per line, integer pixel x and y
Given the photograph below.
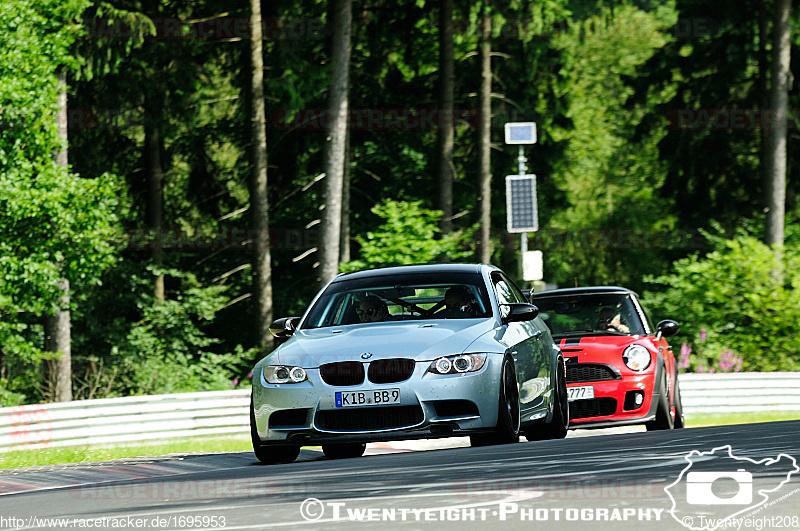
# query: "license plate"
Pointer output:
{"type": "Point", "coordinates": [580, 393]}
{"type": "Point", "coordinates": [376, 397]}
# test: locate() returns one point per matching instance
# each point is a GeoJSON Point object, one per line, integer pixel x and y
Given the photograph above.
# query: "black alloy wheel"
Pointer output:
{"type": "Point", "coordinates": [558, 426]}
{"type": "Point", "coordinates": [508, 420]}
{"type": "Point", "coordinates": [663, 420]}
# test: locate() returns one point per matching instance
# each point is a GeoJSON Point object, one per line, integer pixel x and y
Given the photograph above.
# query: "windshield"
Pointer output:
{"type": "Point", "coordinates": [400, 298]}
{"type": "Point", "coordinates": [591, 314]}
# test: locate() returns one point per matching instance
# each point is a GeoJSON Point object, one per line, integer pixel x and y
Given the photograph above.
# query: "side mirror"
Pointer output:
{"type": "Point", "coordinates": [284, 327]}
{"type": "Point", "coordinates": [519, 312]}
{"type": "Point", "coordinates": [667, 328]}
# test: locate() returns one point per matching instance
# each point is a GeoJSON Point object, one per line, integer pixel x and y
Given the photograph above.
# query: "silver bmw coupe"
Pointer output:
{"type": "Point", "coordinates": [409, 352]}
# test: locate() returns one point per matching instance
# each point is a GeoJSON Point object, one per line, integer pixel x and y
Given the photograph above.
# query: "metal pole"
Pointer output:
{"type": "Point", "coordinates": [521, 169]}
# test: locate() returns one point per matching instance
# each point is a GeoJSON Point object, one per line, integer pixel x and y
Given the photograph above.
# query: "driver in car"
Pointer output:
{"type": "Point", "coordinates": [458, 302]}
{"type": "Point", "coordinates": [610, 320]}
{"type": "Point", "coordinates": [372, 309]}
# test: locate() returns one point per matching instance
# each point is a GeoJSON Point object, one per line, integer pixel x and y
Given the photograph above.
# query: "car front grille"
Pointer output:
{"type": "Point", "coordinates": [590, 372]}
{"type": "Point", "coordinates": [595, 407]}
{"type": "Point", "coordinates": [390, 370]}
{"type": "Point", "coordinates": [369, 418]}
{"type": "Point", "coordinates": [342, 373]}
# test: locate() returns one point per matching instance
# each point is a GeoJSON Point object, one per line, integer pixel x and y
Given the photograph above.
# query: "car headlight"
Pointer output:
{"type": "Point", "coordinates": [280, 374]}
{"type": "Point", "coordinates": [636, 357]}
{"type": "Point", "coordinates": [457, 364]}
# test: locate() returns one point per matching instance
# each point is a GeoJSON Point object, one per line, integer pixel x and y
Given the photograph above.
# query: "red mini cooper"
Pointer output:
{"type": "Point", "coordinates": [620, 370]}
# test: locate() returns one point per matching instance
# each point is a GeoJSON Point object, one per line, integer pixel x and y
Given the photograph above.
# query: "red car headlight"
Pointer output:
{"type": "Point", "coordinates": [636, 357]}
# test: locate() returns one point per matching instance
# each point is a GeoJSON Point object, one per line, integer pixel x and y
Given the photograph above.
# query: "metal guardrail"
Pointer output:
{"type": "Point", "coordinates": [163, 417]}
{"type": "Point", "coordinates": [128, 419]}
{"type": "Point", "coordinates": [740, 392]}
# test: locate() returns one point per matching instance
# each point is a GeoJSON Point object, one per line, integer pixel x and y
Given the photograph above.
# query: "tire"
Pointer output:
{"type": "Point", "coordinates": [271, 454]}
{"type": "Point", "coordinates": [558, 426]}
{"type": "Point", "coordinates": [508, 415]}
{"type": "Point", "coordinates": [343, 450]}
{"type": "Point", "coordinates": [663, 420]}
{"type": "Point", "coordinates": [679, 421]}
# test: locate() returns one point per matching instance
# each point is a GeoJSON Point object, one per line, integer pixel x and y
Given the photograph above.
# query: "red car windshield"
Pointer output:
{"type": "Point", "coordinates": [590, 314]}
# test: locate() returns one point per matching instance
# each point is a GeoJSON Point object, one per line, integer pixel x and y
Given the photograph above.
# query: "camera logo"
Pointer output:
{"type": "Point", "coordinates": [699, 488]}
{"type": "Point", "coordinates": [717, 486]}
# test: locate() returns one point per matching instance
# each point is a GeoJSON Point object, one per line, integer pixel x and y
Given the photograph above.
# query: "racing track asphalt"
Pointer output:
{"type": "Point", "coordinates": [618, 479]}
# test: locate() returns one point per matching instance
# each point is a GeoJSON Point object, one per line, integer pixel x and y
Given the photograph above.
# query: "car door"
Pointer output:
{"type": "Point", "coordinates": [525, 342]}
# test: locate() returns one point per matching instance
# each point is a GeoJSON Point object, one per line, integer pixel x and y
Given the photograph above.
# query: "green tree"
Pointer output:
{"type": "Point", "coordinates": [55, 225]}
{"type": "Point", "coordinates": [711, 80]}
{"type": "Point", "coordinates": [609, 179]}
{"type": "Point", "coordinates": [406, 236]}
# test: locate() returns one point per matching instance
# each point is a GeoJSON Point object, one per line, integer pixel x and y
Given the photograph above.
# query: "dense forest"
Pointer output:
{"type": "Point", "coordinates": [175, 174]}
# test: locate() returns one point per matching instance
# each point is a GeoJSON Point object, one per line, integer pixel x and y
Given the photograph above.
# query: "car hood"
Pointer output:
{"type": "Point", "coordinates": [602, 345]}
{"type": "Point", "coordinates": [420, 340]}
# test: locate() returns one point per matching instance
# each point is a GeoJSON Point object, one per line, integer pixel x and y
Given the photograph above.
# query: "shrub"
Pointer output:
{"type": "Point", "coordinates": [741, 301]}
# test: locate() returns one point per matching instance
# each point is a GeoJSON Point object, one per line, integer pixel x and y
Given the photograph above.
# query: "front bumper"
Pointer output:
{"type": "Point", "coordinates": [430, 405]}
{"type": "Point", "coordinates": [612, 403]}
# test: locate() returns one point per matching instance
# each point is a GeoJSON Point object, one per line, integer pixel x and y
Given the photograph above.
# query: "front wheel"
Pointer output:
{"type": "Point", "coordinates": [508, 420]}
{"type": "Point", "coordinates": [272, 454]}
{"type": "Point", "coordinates": [679, 422]}
{"type": "Point", "coordinates": [343, 450]}
{"type": "Point", "coordinates": [558, 426]}
{"type": "Point", "coordinates": [663, 420]}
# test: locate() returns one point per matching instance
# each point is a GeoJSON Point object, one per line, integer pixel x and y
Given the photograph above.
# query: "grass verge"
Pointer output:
{"type": "Point", "coordinates": [87, 454]}
{"type": "Point", "coordinates": [723, 419]}
{"type": "Point", "coordinates": [90, 454]}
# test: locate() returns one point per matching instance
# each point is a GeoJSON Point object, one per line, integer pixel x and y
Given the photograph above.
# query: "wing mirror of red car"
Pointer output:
{"type": "Point", "coordinates": [284, 327]}
{"type": "Point", "coordinates": [519, 312]}
{"type": "Point", "coordinates": [667, 328]}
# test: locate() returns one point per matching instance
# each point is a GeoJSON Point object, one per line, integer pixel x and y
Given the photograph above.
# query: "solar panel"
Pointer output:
{"type": "Point", "coordinates": [520, 133]}
{"type": "Point", "coordinates": [521, 212]}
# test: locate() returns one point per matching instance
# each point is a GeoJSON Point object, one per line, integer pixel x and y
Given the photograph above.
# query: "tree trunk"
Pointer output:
{"type": "Point", "coordinates": [776, 135]}
{"type": "Point", "coordinates": [62, 155]}
{"type": "Point", "coordinates": [485, 142]}
{"type": "Point", "coordinates": [763, 91]}
{"type": "Point", "coordinates": [57, 326]}
{"type": "Point", "coordinates": [344, 241]}
{"type": "Point", "coordinates": [445, 137]}
{"type": "Point", "coordinates": [58, 339]}
{"type": "Point", "coordinates": [335, 152]}
{"type": "Point", "coordinates": [155, 192]}
{"type": "Point", "coordinates": [259, 201]}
